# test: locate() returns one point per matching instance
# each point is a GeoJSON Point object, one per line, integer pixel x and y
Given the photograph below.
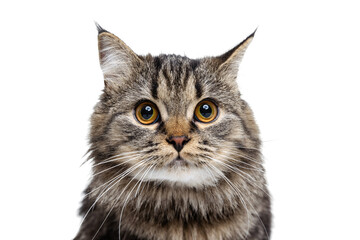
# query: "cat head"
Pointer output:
{"type": "Point", "coordinates": [170, 118]}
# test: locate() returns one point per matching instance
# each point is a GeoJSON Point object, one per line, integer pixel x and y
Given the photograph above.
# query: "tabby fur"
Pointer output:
{"type": "Point", "coordinates": [218, 193]}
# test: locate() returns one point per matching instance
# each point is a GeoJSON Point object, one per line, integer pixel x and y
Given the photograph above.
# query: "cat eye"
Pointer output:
{"type": "Point", "coordinates": [206, 111]}
{"type": "Point", "coordinates": [147, 113]}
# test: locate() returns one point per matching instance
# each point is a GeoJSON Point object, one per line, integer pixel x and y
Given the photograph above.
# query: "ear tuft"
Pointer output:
{"type": "Point", "coordinates": [99, 28]}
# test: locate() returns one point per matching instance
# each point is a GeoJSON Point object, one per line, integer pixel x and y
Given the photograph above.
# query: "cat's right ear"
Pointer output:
{"type": "Point", "coordinates": [117, 60]}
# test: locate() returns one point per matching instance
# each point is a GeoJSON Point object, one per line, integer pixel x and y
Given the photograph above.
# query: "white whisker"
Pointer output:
{"type": "Point", "coordinates": [111, 180]}
{"type": "Point", "coordinates": [243, 156]}
{"type": "Point", "coordinates": [210, 173]}
{"type": "Point", "coordinates": [118, 157]}
{"type": "Point", "coordinates": [127, 198]}
{"type": "Point", "coordinates": [221, 162]}
{"type": "Point", "coordinates": [240, 172]}
{"type": "Point", "coordinates": [142, 179]}
{"type": "Point", "coordinates": [236, 190]}
{"type": "Point", "coordinates": [113, 205]}
{"type": "Point", "coordinates": [112, 167]}
{"type": "Point", "coordinates": [123, 175]}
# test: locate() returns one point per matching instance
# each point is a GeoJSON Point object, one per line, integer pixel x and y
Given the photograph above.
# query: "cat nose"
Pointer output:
{"type": "Point", "coordinates": [178, 142]}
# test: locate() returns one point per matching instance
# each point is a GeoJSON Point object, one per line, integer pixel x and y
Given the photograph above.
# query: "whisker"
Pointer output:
{"type": "Point", "coordinates": [239, 147]}
{"type": "Point", "coordinates": [210, 173]}
{"type": "Point", "coordinates": [111, 180]}
{"type": "Point", "coordinates": [239, 160]}
{"type": "Point", "coordinates": [247, 173]}
{"type": "Point", "coordinates": [113, 205]}
{"type": "Point", "coordinates": [118, 157]}
{"type": "Point", "coordinates": [252, 182]}
{"type": "Point", "coordinates": [142, 179]}
{"type": "Point", "coordinates": [148, 182]}
{"type": "Point", "coordinates": [248, 148]}
{"type": "Point", "coordinates": [112, 167]}
{"type": "Point", "coordinates": [119, 176]}
{"type": "Point", "coordinates": [240, 172]}
{"type": "Point", "coordinates": [127, 198]}
{"type": "Point", "coordinates": [129, 170]}
{"type": "Point", "coordinates": [237, 153]}
{"type": "Point", "coordinates": [221, 162]}
{"type": "Point", "coordinates": [236, 190]}
{"type": "Point", "coordinates": [109, 187]}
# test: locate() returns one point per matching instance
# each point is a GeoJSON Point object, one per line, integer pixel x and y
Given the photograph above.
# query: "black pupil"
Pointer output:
{"type": "Point", "coordinates": [147, 112]}
{"type": "Point", "coordinates": [205, 110]}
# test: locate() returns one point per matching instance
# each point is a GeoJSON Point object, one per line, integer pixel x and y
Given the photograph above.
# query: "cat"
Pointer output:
{"type": "Point", "coordinates": [175, 150]}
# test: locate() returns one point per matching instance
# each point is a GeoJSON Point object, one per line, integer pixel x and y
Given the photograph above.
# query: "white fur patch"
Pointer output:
{"type": "Point", "coordinates": [188, 176]}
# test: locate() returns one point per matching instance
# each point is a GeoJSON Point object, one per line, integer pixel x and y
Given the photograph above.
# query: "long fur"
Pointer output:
{"type": "Point", "coordinates": [138, 190]}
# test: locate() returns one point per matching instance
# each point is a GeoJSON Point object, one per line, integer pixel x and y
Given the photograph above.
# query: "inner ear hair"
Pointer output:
{"type": "Point", "coordinates": [117, 60]}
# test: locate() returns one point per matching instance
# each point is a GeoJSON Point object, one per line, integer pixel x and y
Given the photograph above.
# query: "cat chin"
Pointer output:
{"type": "Point", "coordinates": [180, 174]}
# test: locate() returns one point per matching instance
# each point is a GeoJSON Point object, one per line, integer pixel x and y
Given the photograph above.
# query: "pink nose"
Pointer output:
{"type": "Point", "coordinates": [178, 142]}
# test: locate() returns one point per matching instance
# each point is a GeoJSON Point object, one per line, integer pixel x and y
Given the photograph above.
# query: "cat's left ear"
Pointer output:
{"type": "Point", "coordinates": [228, 63]}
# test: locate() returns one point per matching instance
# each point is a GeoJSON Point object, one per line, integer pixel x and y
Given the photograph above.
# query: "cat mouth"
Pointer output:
{"type": "Point", "coordinates": [178, 161]}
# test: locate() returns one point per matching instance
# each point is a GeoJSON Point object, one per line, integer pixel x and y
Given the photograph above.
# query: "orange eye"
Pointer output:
{"type": "Point", "coordinates": [147, 113]}
{"type": "Point", "coordinates": [206, 111]}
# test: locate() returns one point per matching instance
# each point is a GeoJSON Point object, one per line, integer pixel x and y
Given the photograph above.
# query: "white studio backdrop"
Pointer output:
{"type": "Point", "coordinates": [300, 75]}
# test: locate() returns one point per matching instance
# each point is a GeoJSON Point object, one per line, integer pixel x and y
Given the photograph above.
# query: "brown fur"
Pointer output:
{"type": "Point", "coordinates": [232, 203]}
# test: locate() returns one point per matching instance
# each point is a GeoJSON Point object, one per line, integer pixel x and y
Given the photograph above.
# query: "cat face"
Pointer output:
{"type": "Point", "coordinates": [171, 119]}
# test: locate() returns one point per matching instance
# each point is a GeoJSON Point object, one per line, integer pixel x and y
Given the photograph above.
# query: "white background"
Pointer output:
{"type": "Point", "coordinates": [300, 75]}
